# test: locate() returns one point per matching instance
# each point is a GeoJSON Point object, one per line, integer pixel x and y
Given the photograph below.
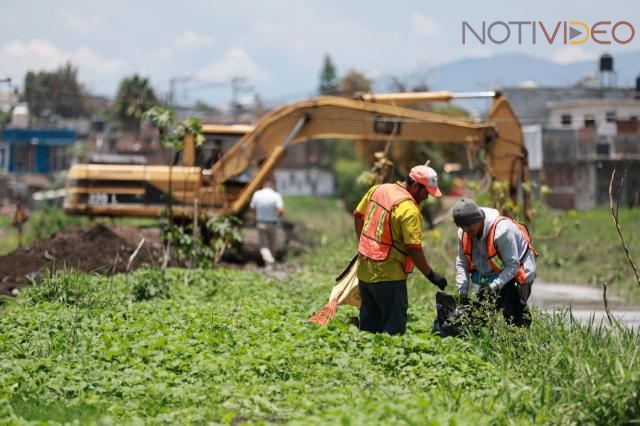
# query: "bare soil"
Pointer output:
{"type": "Point", "coordinates": [103, 249]}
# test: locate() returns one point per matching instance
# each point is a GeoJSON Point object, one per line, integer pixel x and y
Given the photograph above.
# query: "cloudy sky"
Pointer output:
{"type": "Point", "coordinates": [277, 45]}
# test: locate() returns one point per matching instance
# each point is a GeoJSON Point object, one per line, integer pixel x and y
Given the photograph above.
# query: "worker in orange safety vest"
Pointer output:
{"type": "Point", "coordinates": [495, 253]}
{"type": "Point", "coordinates": [389, 225]}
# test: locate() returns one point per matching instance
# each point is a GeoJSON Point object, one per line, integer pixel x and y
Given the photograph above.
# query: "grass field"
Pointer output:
{"type": "Point", "coordinates": [588, 249]}
{"type": "Point", "coordinates": [229, 347]}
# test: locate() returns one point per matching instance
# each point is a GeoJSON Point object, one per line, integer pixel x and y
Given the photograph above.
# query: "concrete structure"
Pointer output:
{"type": "Point", "coordinates": [532, 104]}
{"type": "Point", "coordinates": [601, 114]}
{"type": "Point", "coordinates": [577, 135]}
{"type": "Point", "coordinates": [20, 117]}
{"type": "Point", "coordinates": [305, 171]}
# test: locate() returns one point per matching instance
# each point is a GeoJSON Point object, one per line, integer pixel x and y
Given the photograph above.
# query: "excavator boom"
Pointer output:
{"type": "Point", "coordinates": [374, 118]}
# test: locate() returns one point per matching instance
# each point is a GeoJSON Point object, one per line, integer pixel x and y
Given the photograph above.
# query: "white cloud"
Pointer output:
{"type": "Point", "coordinates": [424, 25]}
{"type": "Point", "coordinates": [36, 49]}
{"type": "Point", "coordinates": [570, 54]}
{"type": "Point", "coordinates": [193, 40]}
{"type": "Point", "coordinates": [20, 56]}
{"type": "Point", "coordinates": [235, 63]}
{"type": "Point", "coordinates": [184, 43]}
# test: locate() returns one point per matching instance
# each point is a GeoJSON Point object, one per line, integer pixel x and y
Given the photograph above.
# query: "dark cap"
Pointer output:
{"type": "Point", "coordinates": [466, 212]}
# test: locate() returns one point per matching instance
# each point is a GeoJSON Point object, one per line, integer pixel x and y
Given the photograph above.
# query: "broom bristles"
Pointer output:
{"type": "Point", "coordinates": [326, 313]}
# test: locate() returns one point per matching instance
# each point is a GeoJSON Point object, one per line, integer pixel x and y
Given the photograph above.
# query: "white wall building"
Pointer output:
{"type": "Point", "coordinates": [599, 113]}
{"type": "Point", "coordinates": [309, 181]}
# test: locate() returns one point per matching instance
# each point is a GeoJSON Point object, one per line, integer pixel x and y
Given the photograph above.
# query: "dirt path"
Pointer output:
{"type": "Point", "coordinates": [585, 302]}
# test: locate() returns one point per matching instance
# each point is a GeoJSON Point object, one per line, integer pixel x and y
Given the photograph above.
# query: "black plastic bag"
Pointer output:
{"type": "Point", "coordinates": [448, 316]}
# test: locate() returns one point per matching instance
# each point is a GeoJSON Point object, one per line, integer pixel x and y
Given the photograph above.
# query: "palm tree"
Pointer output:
{"type": "Point", "coordinates": [135, 96]}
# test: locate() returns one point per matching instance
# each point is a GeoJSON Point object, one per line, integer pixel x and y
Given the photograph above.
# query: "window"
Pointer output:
{"type": "Point", "coordinates": [566, 120]}
{"type": "Point", "coordinates": [589, 120]}
{"type": "Point", "coordinates": [611, 116]}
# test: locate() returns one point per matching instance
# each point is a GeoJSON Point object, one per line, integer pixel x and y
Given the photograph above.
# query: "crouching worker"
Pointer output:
{"type": "Point", "coordinates": [495, 253]}
{"type": "Point", "coordinates": [388, 224]}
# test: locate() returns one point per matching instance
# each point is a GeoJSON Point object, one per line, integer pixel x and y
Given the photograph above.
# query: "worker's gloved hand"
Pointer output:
{"type": "Point", "coordinates": [437, 280]}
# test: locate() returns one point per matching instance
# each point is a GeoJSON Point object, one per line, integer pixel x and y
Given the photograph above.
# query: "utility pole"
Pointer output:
{"type": "Point", "coordinates": [173, 82]}
{"type": "Point", "coordinates": [238, 86]}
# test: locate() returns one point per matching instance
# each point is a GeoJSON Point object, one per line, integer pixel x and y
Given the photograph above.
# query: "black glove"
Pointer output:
{"type": "Point", "coordinates": [437, 279]}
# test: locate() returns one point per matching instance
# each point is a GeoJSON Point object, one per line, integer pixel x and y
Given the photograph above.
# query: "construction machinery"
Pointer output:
{"type": "Point", "coordinates": [227, 185]}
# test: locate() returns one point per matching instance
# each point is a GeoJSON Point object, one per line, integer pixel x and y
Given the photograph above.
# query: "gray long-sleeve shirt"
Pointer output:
{"type": "Point", "coordinates": [511, 245]}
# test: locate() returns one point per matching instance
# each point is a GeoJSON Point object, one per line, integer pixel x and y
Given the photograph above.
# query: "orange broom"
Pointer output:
{"type": "Point", "coordinates": [345, 292]}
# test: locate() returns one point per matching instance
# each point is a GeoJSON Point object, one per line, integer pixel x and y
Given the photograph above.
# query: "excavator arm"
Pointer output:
{"type": "Point", "coordinates": [372, 118]}
{"type": "Point", "coordinates": [143, 190]}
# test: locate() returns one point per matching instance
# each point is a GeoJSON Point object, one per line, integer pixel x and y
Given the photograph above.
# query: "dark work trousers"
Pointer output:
{"type": "Point", "coordinates": [514, 308]}
{"type": "Point", "coordinates": [384, 307]}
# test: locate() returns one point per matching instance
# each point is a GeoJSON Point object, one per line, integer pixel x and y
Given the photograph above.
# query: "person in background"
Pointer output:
{"type": "Point", "coordinates": [495, 253]}
{"type": "Point", "coordinates": [269, 207]}
{"type": "Point", "coordinates": [20, 216]}
{"type": "Point", "coordinates": [389, 225]}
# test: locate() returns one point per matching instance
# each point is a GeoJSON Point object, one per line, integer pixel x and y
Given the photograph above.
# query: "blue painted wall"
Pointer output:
{"type": "Point", "coordinates": [41, 141]}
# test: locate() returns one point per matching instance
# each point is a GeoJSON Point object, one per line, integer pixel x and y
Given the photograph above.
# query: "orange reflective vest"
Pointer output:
{"type": "Point", "coordinates": [495, 260]}
{"type": "Point", "coordinates": [376, 239]}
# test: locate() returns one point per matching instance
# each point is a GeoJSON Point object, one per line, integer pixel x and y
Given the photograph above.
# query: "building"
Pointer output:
{"type": "Point", "coordinates": [304, 170]}
{"type": "Point", "coordinates": [35, 151]}
{"type": "Point", "coordinates": [577, 135]}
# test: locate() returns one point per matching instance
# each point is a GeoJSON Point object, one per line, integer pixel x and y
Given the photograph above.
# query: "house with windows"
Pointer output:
{"type": "Point", "coordinates": [584, 141]}
{"type": "Point", "coordinates": [577, 135]}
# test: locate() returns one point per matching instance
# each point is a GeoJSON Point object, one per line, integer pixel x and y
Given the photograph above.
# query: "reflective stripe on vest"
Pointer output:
{"type": "Point", "coordinates": [494, 257]}
{"type": "Point", "coordinates": [376, 238]}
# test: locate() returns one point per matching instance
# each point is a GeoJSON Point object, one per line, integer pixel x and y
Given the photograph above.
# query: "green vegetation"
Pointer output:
{"type": "Point", "coordinates": [41, 224]}
{"type": "Point", "coordinates": [228, 347]}
{"type": "Point", "coordinates": [584, 247]}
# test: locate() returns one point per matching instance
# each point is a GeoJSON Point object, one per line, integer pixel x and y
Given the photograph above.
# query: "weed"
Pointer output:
{"type": "Point", "coordinates": [150, 283]}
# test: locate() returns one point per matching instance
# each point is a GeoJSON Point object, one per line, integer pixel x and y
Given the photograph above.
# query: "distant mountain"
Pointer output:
{"type": "Point", "coordinates": [475, 74]}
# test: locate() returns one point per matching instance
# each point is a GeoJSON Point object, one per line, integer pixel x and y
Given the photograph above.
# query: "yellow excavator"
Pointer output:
{"type": "Point", "coordinates": [228, 184]}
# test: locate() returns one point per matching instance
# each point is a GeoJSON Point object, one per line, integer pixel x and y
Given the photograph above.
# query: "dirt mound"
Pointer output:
{"type": "Point", "coordinates": [102, 248]}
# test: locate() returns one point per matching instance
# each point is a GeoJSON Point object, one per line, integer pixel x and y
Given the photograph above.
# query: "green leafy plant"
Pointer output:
{"type": "Point", "coordinates": [224, 232]}
{"type": "Point", "coordinates": [187, 247]}
{"type": "Point", "coordinates": [150, 283]}
{"type": "Point", "coordinates": [173, 136]}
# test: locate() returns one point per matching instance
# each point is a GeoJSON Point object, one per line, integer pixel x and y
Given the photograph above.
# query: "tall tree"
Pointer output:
{"type": "Point", "coordinates": [135, 96]}
{"type": "Point", "coordinates": [57, 92]}
{"type": "Point", "coordinates": [328, 77]}
{"type": "Point", "coordinates": [354, 82]}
